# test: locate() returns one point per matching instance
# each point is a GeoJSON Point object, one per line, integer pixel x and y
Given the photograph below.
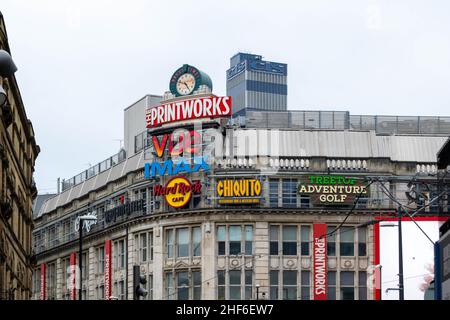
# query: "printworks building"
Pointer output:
{"type": "Point", "coordinates": [213, 208]}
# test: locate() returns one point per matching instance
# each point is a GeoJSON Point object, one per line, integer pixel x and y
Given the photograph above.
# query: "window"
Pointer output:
{"type": "Point", "coordinates": [85, 269]}
{"type": "Point", "coordinates": [240, 240]}
{"type": "Point", "coordinates": [305, 201]}
{"type": "Point", "coordinates": [273, 192]}
{"type": "Point", "coordinates": [51, 281]}
{"type": "Point", "coordinates": [196, 241]}
{"type": "Point", "coordinates": [221, 285]}
{"type": "Point", "coordinates": [347, 245]}
{"type": "Point", "coordinates": [289, 193]}
{"type": "Point", "coordinates": [197, 279]}
{"type": "Point", "coordinates": [274, 231]}
{"type": "Point", "coordinates": [100, 292]}
{"type": "Point", "coordinates": [169, 286]}
{"type": "Point", "coordinates": [119, 254]}
{"type": "Point", "coordinates": [142, 247]}
{"type": "Point", "coordinates": [235, 284]}
{"type": "Point", "coordinates": [221, 240]}
{"type": "Point", "coordinates": [119, 290]}
{"type": "Point", "coordinates": [183, 285]}
{"type": "Point", "coordinates": [305, 237]}
{"type": "Point", "coordinates": [100, 253]}
{"type": "Point", "coordinates": [289, 285]}
{"type": "Point", "coordinates": [36, 281]}
{"type": "Point", "coordinates": [248, 240]}
{"type": "Point", "coordinates": [169, 242]}
{"type": "Point", "coordinates": [331, 285]}
{"type": "Point", "coordinates": [248, 284]}
{"type": "Point", "coordinates": [362, 248]}
{"type": "Point", "coordinates": [149, 287]}
{"type": "Point", "coordinates": [235, 240]}
{"type": "Point", "coordinates": [290, 240]}
{"type": "Point", "coordinates": [65, 270]}
{"type": "Point", "coordinates": [305, 283]}
{"type": "Point", "coordinates": [273, 275]}
{"type": "Point", "coordinates": [183, 241]}
{"type": "Point", "coordinates": [362, 285]}
{"type": "Point", "coordinates": [331, 241]}
{"type": "Point", "coordinates": [347, 285]}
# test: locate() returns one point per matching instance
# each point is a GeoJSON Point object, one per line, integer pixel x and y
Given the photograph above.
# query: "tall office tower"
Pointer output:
{"type": "Point", "coordinates": [255, 84]}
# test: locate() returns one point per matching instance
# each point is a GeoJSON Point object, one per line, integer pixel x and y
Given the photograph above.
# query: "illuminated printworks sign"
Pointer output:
{"type": "Point", "coordinates": [238, 191]}
{"type": "Point", "coordinates": [197, 108]}
{"type": "Point", "coordinates": [320, 261]}
{"type": "Point", "coordinates": [332, 190]}
{"type": "Point", "coordinates": [178, 191]}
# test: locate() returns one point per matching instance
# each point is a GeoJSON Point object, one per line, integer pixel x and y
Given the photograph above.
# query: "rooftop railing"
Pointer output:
{"type": "Point", "coordinates": [94, 170]}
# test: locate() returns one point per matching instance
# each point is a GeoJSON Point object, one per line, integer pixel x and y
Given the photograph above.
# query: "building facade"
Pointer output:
{"type": "Point", "coordinates": [209, 210]}
{"type": "Point", "coordinates": [18, 152]}
{"type": "Point", "coordinates": [255, 84]}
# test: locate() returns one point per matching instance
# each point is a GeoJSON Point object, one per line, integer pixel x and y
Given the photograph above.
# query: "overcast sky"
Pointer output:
{"type": "Point", "coordinates": [82, 62]}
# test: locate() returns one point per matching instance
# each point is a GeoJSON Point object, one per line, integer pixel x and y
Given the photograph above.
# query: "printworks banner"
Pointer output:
{"type": "Point", "coordinates": [320, 261]}
{"type": "Point", "coordinates": [211, 107]}
{"type": "Point", "coordinates": [43, 284]}
{"type": "Point", "coordinates": [72, 278]}
{"type": "Point", "coordinates": [108, 271]}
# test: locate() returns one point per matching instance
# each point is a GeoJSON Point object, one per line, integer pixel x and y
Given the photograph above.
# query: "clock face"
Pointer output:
{"type": "Point", "coordinates": [185, 84]}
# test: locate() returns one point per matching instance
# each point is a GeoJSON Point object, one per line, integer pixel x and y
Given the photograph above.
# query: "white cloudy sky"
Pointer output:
{"type": "Point", "coordinates": [418, 252]}
{"type": "Point", "coordinates": [82, 62]}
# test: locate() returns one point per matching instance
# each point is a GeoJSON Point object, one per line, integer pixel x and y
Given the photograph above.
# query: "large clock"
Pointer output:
{"type": "Point", "coordinates": [187, 79]}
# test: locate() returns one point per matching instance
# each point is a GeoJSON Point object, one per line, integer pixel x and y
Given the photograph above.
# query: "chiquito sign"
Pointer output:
{"type": "Point", "coordinates": [197, 108]}
{"type": "Point", "coordinates": [332, 190]}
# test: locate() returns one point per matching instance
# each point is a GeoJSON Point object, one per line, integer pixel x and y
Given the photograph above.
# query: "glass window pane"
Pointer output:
{"type": "Point", "coordinates": [235, 277]}
{"type": "Point", "coordinates": [347, 278]}
{"type": "Point", "coordinates": [274, 277]}
{"type": "Point", "coordinates": [248, 277]}
{"type": "Point", "coordinates": [290, 248]}
{"type": "Point", "coordinates": [248, 233]}
{"type": "Point", "coordinates": [235, 293]}
{"type": "Point", "coordinates": [305, 293]}
{"type": "Point", "coordinates": [347, 293]}
{"type": "Point", "coordinates": [221, 233]}
{"type": "Point", "coordinates": [305, 278]}
{"type": "Point", "coordinates": [221, 278]}
{"type": "Point", "coordinates": [306, 230]}
{"type": "Point", "coordinates": [289, 233]}
{"type": "Point", "coordinates": [235, 247]}
{"type": "Point", "coordinates": [290, 278]}
{"type": "Point", "coordinates": [274, 293]}
{"type": "Point", "coordinates": [274, 248]}
{"type": "Point", "coordinates": [347, 234]}
{"type": "Point", "coordinates": [197, 278]}
{"type": "Point", "coordinates": [347, 249]}
{"type": "Point", "coordinates": [274, 233]}
{"type": "Point", "coordinates": [221, 247]}
{"type": "Point", "coordinates": [331, 294]}
{"type": "Point", "coordinates": [235, 233]}
{"type": "Point", "coordinates": [331, 278]}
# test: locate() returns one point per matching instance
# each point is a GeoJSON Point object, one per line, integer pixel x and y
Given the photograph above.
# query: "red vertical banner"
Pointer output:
{"type": "Point", "coordinates": [376, 261]}
{"type": "Point", "coordinates": [72, 277]}
{"type": "Point", "coordinates": [108, 269]}
{"type": "Point", "coordinates": [320, 261]}
{"type": "Point", "coordinates": [43, 283]}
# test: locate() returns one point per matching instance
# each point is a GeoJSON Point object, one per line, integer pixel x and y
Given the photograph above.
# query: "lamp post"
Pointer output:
{"type": "Point", "coordinates": [257, 291]}
{"type": "Point", "coordinates": [400, 256]}
{"type": "Point", "coordinates": [91, 219]}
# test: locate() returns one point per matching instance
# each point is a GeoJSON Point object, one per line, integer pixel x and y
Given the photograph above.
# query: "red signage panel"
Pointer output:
{"type": "Point", "coordinates": [72, 277]}
{"type": "Point", "coordinates": [108, 270]}
{"type": "Point", "coordinates": [43, 284]}
{"type": "Point", "coordinates": [197, 108]}
{"type": "Point", "coordinates": [320, 261]}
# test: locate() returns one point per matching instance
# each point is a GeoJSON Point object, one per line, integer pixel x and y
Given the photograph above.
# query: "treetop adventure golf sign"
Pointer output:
{"type": "Point", "coordinates": [196, 108]}
{"type": "Point", "coordinates": [332, 190]}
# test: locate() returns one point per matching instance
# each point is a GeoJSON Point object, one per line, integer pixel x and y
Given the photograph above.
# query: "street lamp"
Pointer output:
{"type": "Point", "coordinates": [7, 66]}
{"type": "Point", "coordinates": [90, 219]}
{"type": "Point", "coordinates": [257, 291]}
